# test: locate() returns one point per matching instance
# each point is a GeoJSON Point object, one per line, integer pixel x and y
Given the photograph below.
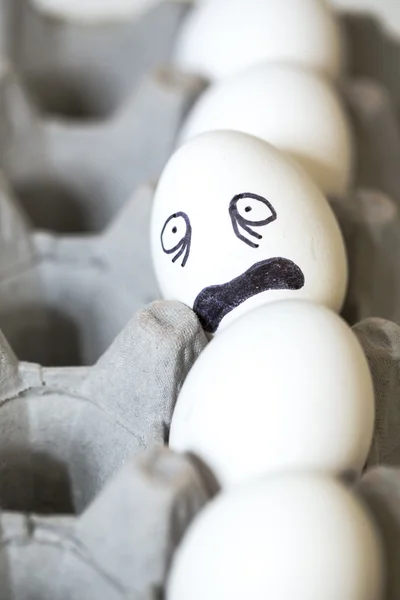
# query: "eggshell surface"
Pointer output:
{"type": "Point", "coordinates": [286, 387]}
{"type": "Point", "coordinates": [303, 537]}
{"type": "Point", "coordinates": [236, 224]}
{"type": "Point", "coordinates": [295, 110]}
{"type": "Point", "coordinates": [223, 37]}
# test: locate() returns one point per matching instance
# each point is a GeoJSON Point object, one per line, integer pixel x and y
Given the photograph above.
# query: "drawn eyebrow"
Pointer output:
{"type": "Point", "coordinates": [239, 222]}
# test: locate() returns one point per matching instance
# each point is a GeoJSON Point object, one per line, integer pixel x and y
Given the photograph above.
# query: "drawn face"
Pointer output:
{"type": "Point", "coordinates": [235, 225]}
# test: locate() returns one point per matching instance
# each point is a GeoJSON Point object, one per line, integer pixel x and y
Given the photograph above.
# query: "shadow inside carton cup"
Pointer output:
{"type": "Point", "coordinates": [35, 482]}
{"type": "Point", "coordinates": [373, 253]}
{"type": "Point", "coordinates": [52, 461]}
{"type": "Point", "coordinates": [71, 97]}
{"type": "Point", "coordinates": [212, 485]}
{"type": "Point", "coordinates": [372, 52]}
{"type": "Point", "coordinates": [35, 469]}
{"type": "Point", "coordinates": [53, 206]}
{"type": "Point", "coordinates": [85, 69]}
{"type": "Point", "coordinates": [44, 336]}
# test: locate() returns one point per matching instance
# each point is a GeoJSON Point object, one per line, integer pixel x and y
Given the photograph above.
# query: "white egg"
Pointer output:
{"type": "Point", "coordinates": [237, 224]}
{"type": "Point", "coordinates": [296, 110]}
{"type": "Point", "coordinates": [223, 37]}
{"type": "Point", "coordinates": [287, 537]}
{"type": "Point", "coordinates": [286, 387]}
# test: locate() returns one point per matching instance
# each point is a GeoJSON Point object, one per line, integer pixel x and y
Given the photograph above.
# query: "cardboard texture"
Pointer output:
{"type": "Point", "coordinates": [380, 491]}
{"type": "Point", "coordinates": [75, 175]}
{"type": "Point", "coordinates": [67, 527]}
{"type": "Point", "coordinates": [119, 548]}
{"type": "Point", "coordinates": [92, 502]}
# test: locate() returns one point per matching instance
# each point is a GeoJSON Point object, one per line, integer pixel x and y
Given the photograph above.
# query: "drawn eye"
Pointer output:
{"type": "Point", "coordinates": [249, 211]}
{"type": "Point", "coordinates": [176, 236]}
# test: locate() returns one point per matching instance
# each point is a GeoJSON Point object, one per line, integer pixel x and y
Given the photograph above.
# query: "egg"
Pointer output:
{"type": "Point", "coordinates": [283, 537]}
{"type": "Point", "coordinates": [222, 37]}
{"type": "Point", "coordinates": [294, 109]}
{"type": "Point", "coordinates": [235, 224]}
{"type": "Point", "coordinates": [285, 387]}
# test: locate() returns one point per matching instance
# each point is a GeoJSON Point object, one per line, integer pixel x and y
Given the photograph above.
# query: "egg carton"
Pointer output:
{"type": "Point", "coordinates": [84, 512]}
{"type": "Point", "coordinates": [85, 68]}
{"type": "Point", "coordinates": [83, 130]}
{"type": "Point", "coordinates": [74, 175]}
{"type": "Point", "coordinates": [369, 215]}
{"type": "Point", "coordinates": [63, 299]}
{"type": "Point", "coordinates": [68, 177]}
{"type": "Point", "coordinates": [373, 49]}
{"type": "Point", "coordinates": [79, 513]}
{"type": "Point", "coordinates": [119, 548]}
{"type": "Point", "coordinates": [379, 489]}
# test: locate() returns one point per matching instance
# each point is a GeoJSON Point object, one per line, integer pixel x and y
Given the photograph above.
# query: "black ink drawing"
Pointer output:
{"type": "Point", "coordinates": [216, 301]}
{"type": "Point", "coordinates": [241, 222]}
{"type": "Point", "coordinates": [172, 226]}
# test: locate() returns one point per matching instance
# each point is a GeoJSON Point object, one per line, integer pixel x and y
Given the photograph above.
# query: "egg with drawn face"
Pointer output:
{"type": "Point", "coordinates": [236, 224]}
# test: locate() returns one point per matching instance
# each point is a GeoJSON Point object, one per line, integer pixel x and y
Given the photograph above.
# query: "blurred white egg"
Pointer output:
{"type": "Point", "coordinates": [285, 387]}
{"type": "Point", "coordinates": [296, 110]}
{"type": "Point", "coordinates": [285, 537]}
{"type": "Point", "coordinates": [222, 37]}
{"type": "Point", "coordinates": [237, 224]}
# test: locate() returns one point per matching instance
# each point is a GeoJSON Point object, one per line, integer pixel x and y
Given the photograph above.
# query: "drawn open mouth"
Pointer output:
{"type": "Point", "coordinates": [216, 301]}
